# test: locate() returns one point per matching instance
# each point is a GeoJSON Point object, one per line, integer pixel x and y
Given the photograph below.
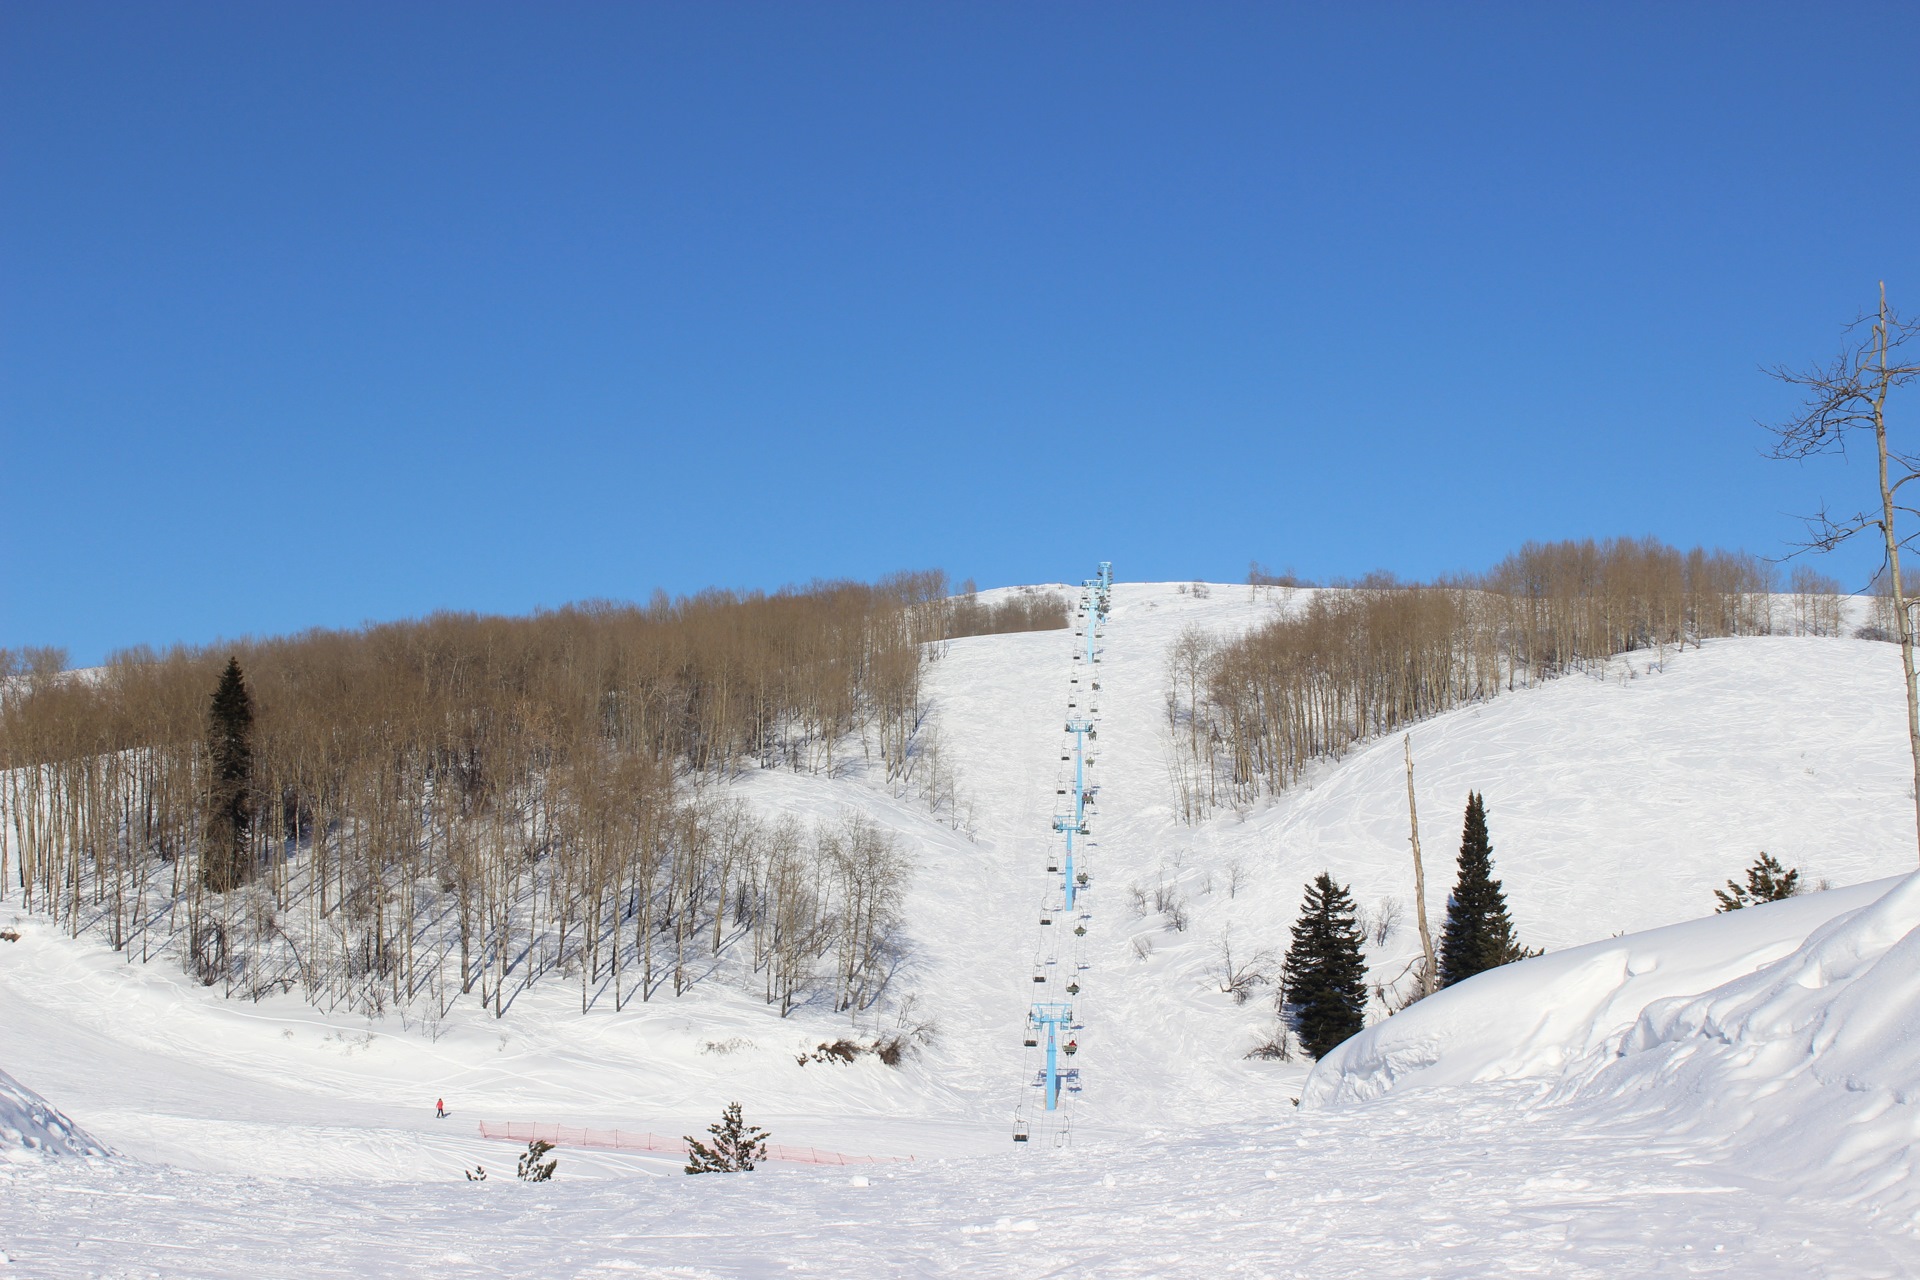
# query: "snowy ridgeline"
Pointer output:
{"type": "Point", "coordinates": [30, 1126]}
{"type": "Point", "coordinates": [1786, 1035]}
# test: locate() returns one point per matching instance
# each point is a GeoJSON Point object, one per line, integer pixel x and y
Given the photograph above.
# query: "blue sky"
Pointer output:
{"type": "Point", "coordinates": [325, 313]}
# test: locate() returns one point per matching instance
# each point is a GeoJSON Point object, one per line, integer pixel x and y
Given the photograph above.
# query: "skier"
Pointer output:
{"type": "Point", "coordinates": [440, 1109]}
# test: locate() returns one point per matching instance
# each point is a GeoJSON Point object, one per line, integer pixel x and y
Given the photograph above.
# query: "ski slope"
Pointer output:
{"type": "Point", "coordinates": [1616, 803]}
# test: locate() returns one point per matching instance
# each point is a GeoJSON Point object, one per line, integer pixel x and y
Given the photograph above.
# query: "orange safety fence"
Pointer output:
{"type": "Point", "coordinates": [620, 1140]}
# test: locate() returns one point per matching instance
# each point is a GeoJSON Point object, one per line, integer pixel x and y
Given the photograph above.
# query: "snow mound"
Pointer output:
{"type": "Point", "coordinates": [1809, 1067]}
{"type": "Point", "coordinates": [1788, 1034]}
{"type": "Point", "coordinates": [29, 1124]}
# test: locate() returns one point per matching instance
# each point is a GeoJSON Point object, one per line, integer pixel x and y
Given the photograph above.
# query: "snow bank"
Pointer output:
{"type": "Point", "coordinates": [1808, 1068]}
{"type": "Point", "coordinates": [1535, 1019]}
{"type": "Point", "coordinates": [29, 1124]}
{"type": "Point", "coordinates": [1784, 1033]}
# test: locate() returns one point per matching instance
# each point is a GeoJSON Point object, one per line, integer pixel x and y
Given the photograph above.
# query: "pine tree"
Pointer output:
{"type": "Point", "coordinates": [1324, 992]}
{"type": "Point", "coordinates": [532, 1168]}
{"type": "Point", "coordinates": [736, 1145]}
{"type": "Point", "coordinates": [1767, 881]}
{"type": "Point", "coordinates": [225, 859]}
{"type": "Point", "coordinates": [1479, 934]}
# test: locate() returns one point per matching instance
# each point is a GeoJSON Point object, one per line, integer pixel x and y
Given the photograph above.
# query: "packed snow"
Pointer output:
{"type": "Point", "coordinates": [1659, 1094]}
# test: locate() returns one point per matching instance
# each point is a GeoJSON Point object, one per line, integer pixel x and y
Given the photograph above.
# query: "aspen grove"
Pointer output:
{"type": "Point", "coordinates": [461, 806]}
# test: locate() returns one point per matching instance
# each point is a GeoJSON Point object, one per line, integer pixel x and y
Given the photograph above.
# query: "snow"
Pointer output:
{"type": "Point", "coordinates": [1780, 1038]}
{"type": "Point", "coordinates": [1538, 1019]}
{"type": "Point", "coordinates": [29, 1126]}
{"type": "Point", "coordinates": [1580, 1114]}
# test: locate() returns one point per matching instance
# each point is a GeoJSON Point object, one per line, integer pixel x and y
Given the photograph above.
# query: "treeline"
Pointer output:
{"type": "Point", "coordinates": [463, 804]}
{"type": "Point", "coordinates": [1251, 713]}
{"type": "Point", "coordinates": [1028, 609]}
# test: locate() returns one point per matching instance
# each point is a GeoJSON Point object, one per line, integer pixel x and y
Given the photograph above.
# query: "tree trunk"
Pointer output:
{"type": "Point", "coordinates": [1432, 969]}
{"type": "Point", "coordinates": [1903, 618]}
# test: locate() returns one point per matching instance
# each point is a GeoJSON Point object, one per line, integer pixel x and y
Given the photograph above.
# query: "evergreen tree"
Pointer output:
{"type": "Point", "coordinates": [1767, 881]}
{"type": "Point", "coordinates": [225, 858]}
{"type": "Point", "coordinates": [1478, 935]}
{"type": "Point", "coordinates": [1324, 993]}
{"type": "Point", "coordinates": [532, 1168]}
{"type": "Point", "coordinates": [736, 1145]}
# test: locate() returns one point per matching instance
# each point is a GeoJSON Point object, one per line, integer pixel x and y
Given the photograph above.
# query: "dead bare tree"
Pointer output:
{"type": "Point", "coordinates": [1429, 969]}
{"type": "Point", "coordinates": [1844, 397]}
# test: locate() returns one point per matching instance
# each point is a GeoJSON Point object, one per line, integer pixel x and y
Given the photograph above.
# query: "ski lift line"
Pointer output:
{"type": "Point", "coordinates": [1059, 955]}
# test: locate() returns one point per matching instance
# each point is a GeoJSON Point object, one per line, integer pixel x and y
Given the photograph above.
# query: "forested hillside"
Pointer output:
{"type": "Point", "coordinates": [1338, 667]}
{"type": "Point", "coordinates": [418, 811]}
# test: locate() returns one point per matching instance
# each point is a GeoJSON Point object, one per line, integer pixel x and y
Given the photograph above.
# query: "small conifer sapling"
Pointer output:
{"type": "Point", "coordinates": [734, 1148]}
{"type": "Point", "coordinates": [534, 1167]}
{"type": "Point", "coordinates": [1767, 881]}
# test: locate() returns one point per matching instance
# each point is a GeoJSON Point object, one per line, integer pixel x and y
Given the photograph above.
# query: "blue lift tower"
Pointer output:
{"type": "Point", "coordinates": [1050, 1018]}
{"type": "Point", "coordinates": [1075, 823]}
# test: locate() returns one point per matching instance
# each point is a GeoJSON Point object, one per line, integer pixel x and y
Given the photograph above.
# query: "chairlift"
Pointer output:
{"type": "Point", "coordinates": [1019, 1130]}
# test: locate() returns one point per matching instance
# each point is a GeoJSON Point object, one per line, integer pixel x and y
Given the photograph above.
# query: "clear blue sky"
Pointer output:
{"type": "Point", "coordinates": [313, 314]}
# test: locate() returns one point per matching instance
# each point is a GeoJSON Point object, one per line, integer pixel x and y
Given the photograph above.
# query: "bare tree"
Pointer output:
{"type": "Point", "coordinates": [1844, 397]}
{"type": "Point", "coordinates": [1240, 974]}
{"type": "Point", "coordinates": [1429, 969]}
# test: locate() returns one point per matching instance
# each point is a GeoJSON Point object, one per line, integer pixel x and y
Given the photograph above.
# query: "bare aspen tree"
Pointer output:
{"type": "Point", "coordinates": [1429, 969]}
{"type": "Point", "coordinates": [1844, 397]}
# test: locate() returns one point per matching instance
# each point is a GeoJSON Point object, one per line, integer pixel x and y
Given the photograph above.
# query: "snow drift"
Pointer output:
{"type": "Point", "coordinates": [1784, 1033]}
{"type": "Point", "coordinates": [29, 1124]}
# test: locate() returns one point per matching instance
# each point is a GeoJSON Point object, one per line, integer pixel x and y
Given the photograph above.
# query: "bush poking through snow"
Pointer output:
{"type": "Point", "coordinates": [736, 1145]}
{"type": "Point", "coordinates": [1242, 974]}
{"type": "Point", "coordinates": [1278, 1046]}
{"type": "Point", "coordinates": [891, 1050]}
{"type": "Point", "coordinates": [1767, 881]}
{"type": "Point", "coordinates": [477, 1174]}
{"type": "Point", "coordinates": [533, 1166]}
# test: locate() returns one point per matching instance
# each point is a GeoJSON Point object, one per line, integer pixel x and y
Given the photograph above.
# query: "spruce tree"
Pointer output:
{"type": "Point", "coordinates": [1324, 993]}
{"type": "Point", "coordinates": [224, 858]}
{"type": "Point", "coordinates": [1479, 934]}
{"type": "Point", "coordinates": [736, 1145]}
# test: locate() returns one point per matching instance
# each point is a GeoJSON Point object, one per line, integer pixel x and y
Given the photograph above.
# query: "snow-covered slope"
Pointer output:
{"type": "Point", "coordinates": [1616, 804]}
